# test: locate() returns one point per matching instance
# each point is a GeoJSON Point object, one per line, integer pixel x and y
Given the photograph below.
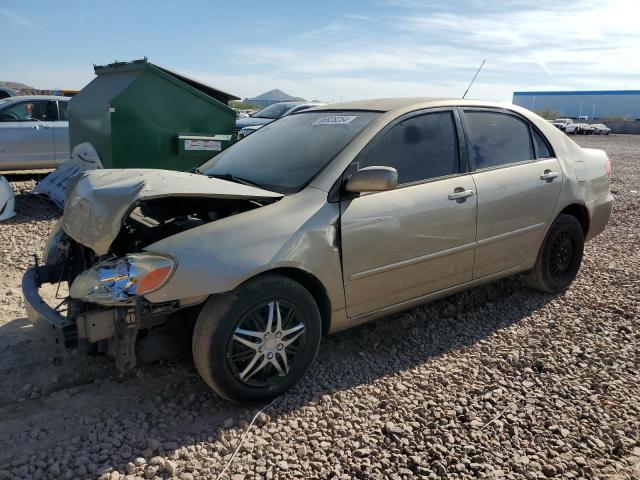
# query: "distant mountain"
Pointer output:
{"type": "Point", "coordinates": [277, 95]}
{"type": "Point", "coordinates": [23, 89]}
{"type": "Point", "coordinates": [16, 86]}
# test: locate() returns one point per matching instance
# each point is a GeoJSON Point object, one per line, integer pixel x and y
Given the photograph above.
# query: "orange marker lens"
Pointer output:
{"type": "Point", "coordinates": [153, 280]}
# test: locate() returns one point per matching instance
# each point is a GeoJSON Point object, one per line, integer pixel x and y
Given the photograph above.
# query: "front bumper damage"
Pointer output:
{"type": "Point", "coordinates": [49, 321]}
{"type": "Point", "coordinates": [113, 330]}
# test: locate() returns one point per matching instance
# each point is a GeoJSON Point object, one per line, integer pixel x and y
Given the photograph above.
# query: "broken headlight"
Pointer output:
{"type": "Point", "coordinates": [119, 280]}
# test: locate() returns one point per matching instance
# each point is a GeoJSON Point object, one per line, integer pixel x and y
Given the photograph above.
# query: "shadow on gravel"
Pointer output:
{"type": "Point", "coordinates": [26, 176]}
{"type": "Point", "coordinates": [366, 354]}
{"type": "Point", "coordinates": [30, 208]}
{"type": "Point", "coordinates": [170, 404]}
{"type": "Point", "coordinates": [394, 344]}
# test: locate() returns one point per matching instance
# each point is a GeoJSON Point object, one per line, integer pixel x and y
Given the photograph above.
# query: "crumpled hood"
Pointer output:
{"type": "Point", "coordinates": [99, 201]}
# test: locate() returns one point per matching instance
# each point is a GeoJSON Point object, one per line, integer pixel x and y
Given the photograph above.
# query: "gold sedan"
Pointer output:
{"type": "Point", "coordinates": [315, 223]}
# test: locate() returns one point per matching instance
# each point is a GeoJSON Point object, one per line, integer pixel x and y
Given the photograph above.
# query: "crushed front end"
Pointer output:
{"type": "Point", "coordinates": [105, 310]}
{"type": "Point", "coordinates": [100, 250]}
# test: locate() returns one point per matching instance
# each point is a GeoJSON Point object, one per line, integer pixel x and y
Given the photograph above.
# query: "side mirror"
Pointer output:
{"type": "Point", "coordinates": [372, 179]}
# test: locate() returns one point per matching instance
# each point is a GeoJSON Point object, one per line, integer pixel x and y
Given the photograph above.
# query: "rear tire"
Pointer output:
{"type": "Point", "coordinates": [559, 257]}
{"type": "Point", "coordinates": [241, 350]}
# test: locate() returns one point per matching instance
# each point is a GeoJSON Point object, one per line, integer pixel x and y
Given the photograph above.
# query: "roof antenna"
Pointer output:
{"type": "Point", "coordinates": [474, 77]}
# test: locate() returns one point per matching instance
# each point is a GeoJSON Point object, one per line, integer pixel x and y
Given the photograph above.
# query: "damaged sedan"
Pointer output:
{"type": "Point", "coordinates": [317, 222]}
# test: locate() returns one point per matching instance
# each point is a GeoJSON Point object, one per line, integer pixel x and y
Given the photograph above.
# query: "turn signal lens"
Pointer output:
{"type": "Point", "coordinates": [608, 167]}
{"type": "Point", "coordinates": [153, 280]}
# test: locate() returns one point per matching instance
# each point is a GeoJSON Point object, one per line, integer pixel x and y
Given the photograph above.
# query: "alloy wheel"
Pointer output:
{"type": "Point", "coordinates": [265, 343]}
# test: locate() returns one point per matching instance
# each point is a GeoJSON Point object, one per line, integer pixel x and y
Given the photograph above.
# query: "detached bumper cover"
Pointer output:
{"type": "Point", "coordinates": [49, 322]}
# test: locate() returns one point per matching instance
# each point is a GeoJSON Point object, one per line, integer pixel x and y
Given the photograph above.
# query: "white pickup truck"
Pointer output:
{"type": "Point", "coordinates": [565, 124]}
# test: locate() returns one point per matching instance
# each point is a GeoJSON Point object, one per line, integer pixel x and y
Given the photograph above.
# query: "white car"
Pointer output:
{"type": "Point", "coordinates": [564, 124]}
{"type": "Point", "coordinates": [601, 129]}
{"type": "Point", "coordinates": [34, 132]}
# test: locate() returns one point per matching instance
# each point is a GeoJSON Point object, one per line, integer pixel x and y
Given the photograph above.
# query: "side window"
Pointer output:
{"type": "Point", "coordinates": [28, 111]}
{"type": "Point", "coordinates": [542, 147]}
{"type": "Point", "coordinates": [51, 112]}
{"type": "Point", "coordinates": [498, 138]}
{"type": "Point", "coordinates": [16, 113]}
{"type": "Point", "coordinates": [419, 148]}
{"type": "Point", "coordinates": [63, 110]}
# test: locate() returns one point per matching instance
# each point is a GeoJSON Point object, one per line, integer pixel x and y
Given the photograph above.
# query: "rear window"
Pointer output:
{"type": "Point", "coordinates": [498, 138]}
{"type": "Point", "coordinates": [542, 147]}
{"type": "Point", "coordinates": [63, 108]}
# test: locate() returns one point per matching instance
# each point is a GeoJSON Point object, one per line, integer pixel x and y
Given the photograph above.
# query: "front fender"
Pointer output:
{"type": "Point", "coordinates": [299, 231]}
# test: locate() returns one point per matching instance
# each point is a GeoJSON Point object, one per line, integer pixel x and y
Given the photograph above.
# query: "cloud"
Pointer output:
{"type": "Point", "coordinates": [20, 21]}
{"type": "Point", "coordinates": [422, 46]}
{"type": "Point", "coordinates": [364, 18]}
{"type": "Point", "coordinates": [579, 39]}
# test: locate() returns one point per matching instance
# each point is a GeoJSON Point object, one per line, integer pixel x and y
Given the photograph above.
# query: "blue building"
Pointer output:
{"type": "Point", "coordinates": [594, 104]}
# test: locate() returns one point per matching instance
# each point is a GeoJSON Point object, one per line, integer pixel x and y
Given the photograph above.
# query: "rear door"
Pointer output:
{"type": "Point", "coordinates": [61, 132]}
{"type": "Point", "coordinates": [417, 239]}
{"type": "Point", "coordinates": [518, 182]}
{"type": "Point", "coordinates": [26, 135]}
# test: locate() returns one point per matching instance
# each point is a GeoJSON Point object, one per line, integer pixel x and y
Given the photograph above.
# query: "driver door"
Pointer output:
{"type": "Point", "coordinates": [405, 243]}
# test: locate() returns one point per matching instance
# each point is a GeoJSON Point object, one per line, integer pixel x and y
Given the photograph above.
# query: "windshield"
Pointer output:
{"type": "Point", "coordinates": [285, 155]}
{"type": "Point", "coordinates": [274, 111]}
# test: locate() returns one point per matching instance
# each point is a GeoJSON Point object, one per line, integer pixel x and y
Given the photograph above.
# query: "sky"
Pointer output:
{"type": "Point", "coordinates": [332, 50]}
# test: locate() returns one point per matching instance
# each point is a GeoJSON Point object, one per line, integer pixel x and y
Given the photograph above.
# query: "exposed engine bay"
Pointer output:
{"type": "Point", "coordinates": [156, 219]}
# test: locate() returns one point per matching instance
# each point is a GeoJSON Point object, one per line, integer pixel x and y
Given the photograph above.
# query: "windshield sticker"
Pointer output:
{"type": "Point", "coordinates": [335, 120]}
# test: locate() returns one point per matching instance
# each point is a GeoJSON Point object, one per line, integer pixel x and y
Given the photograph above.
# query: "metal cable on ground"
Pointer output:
{"type": "Point", "coordinates": [235, 452]}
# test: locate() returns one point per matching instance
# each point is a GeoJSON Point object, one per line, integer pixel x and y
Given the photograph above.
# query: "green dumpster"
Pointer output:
{"type": "Point", "coordinates": [137, 114]}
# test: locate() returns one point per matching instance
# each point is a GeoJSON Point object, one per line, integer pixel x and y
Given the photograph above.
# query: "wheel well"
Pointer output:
{"type": "Point", "coordinates": [315, 288]}
{"type": "Point", "coordinates": [581, 213]}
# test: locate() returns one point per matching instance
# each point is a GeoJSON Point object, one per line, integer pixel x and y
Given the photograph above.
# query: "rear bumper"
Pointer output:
{"type": "Point", "coordinates": [51, 323]}
{"type": "Point", "coordinates": [599, 213]}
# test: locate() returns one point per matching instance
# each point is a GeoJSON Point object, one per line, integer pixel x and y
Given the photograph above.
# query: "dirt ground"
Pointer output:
{"type": "Point", "coordinates": [497, 382]}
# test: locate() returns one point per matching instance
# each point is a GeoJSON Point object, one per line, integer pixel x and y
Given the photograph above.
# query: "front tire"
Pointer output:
{"type": "Point", "coordinates": [252, 344]}
{"type": "Point", "coordinates": [559, 257]}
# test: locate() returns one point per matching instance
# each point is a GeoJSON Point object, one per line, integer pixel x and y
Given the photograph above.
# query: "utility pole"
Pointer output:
{"type": "Point", "coordinates": [593, 115]}
{"type": "Point", "coordinates": [580, 114]}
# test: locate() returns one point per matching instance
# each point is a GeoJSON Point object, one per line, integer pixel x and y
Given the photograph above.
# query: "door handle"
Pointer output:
{"type": "Point", "coordinates": [39, 124]}
{"type": "Point", "coordinates": [548, 175]}
{"type": "Point", "coordinates": [460, 195]}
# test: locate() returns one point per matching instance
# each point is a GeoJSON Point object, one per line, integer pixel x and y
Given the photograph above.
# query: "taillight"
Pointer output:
{"type": "Point", "coordinates": [608, 167]}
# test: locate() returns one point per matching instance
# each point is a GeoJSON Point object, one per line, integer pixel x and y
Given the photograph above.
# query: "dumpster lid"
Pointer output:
{"type": "Point", "coordinates": [219, 95]}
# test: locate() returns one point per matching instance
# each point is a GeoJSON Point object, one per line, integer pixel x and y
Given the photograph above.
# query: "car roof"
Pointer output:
{"type": "Point", "coordinates": [401, 103]}
{"type": "Point", "coordinates": [36, 97]}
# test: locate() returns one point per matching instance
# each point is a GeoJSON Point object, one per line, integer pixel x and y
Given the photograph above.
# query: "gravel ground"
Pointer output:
{"type": "Point", "coordinates": [497, 382]}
